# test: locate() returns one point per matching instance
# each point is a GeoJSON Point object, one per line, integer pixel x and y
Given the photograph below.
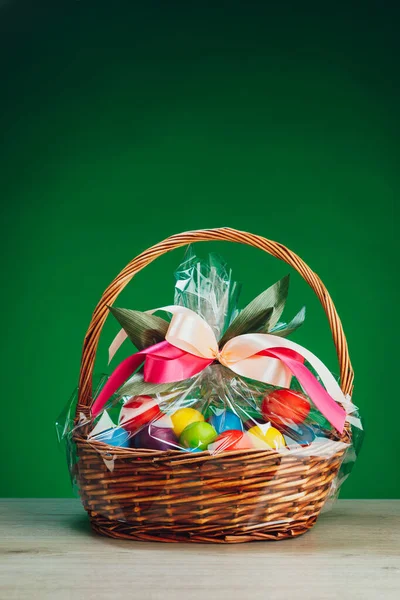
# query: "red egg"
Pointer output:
{"type": "Point", "coordinates": [283, 407]}
{"type": "Point", "coordinates": [139, 411]}
{"type": "Point", "coordinates": [232, 439]}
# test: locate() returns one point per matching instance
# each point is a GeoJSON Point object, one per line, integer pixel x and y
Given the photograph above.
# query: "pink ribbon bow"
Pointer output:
{"type": "Point", "coordinates": [190, 346]}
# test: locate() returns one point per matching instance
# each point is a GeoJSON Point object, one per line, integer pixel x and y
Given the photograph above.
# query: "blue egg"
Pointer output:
{"type": "Point", "coordinates": [302, 434]}
{"type": "Point", "coordinates": [117, 436]}
{"type": "Point", "coordinates": [226, 421]}
{"type": "Point", "coordinates": [318, 430]}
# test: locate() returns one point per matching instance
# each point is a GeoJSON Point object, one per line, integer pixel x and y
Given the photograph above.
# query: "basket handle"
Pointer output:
{"type": "Point", "coordinates": [204, 235]}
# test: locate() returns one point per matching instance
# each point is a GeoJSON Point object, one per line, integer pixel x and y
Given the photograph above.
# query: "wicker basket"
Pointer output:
{"type": "Point", "coordinates": [236, 496]}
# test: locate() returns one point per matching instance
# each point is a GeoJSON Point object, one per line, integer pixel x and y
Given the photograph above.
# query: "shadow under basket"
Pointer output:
{"type": "Point", "coordinates": [235, 496]}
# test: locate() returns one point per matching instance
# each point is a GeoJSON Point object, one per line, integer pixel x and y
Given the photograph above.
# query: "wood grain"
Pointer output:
{"type": "Point", "coordinates": [48, 552]}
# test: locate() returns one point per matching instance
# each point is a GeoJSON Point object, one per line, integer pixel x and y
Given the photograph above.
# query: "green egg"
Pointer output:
{"type": "Point", "coordinates": [198, 435]}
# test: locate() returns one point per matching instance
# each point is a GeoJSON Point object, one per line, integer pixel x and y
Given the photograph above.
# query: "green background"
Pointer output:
{"type": "Point", "coordinates": [122, 123]}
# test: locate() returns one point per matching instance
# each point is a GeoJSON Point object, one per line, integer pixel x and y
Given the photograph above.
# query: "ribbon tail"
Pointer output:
{"type": "Point", "coordinates": [116, 344]}
{"type": "Point", "coordinates": [332, 411]}
{"type": "Point", "coordinates": [116, 379]}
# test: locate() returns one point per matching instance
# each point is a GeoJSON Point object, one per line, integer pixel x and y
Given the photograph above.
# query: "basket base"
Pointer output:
{"type": "Point", "coordinates": [272, 532]}
{"type": "Point", "coordinates": [239, 496]}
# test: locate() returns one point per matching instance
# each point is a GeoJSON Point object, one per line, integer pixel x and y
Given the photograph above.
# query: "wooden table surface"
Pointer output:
{"type": "Point", "coordinates": [48, 551]}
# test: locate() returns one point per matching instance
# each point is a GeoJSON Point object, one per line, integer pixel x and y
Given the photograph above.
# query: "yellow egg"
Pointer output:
{"type": "Point", "coordinates": [271, 437]}
{"type": "Point", "coordinates": [184, 417]}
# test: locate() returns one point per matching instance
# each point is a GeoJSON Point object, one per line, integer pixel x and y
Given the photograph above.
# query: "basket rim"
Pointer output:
{"type": "Point", "coordinates": [189, 457]}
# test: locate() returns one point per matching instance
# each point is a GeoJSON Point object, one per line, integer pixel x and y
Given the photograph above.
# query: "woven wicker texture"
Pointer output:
{"type": "Point", "coordinates": [173, 496]}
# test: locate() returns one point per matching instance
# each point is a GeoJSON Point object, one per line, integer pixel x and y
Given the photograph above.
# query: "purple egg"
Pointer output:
{"type": "Point", "coordinates": [156, 438]}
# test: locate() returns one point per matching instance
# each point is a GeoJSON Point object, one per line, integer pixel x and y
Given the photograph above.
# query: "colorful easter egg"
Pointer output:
{"type": "Point", "coordinates": [198, 435]}
{"type": "Point", "coordinates": [226, 421]}
{"type": "Point", "coordinates": [117, 436]}
{"type": "Point", "coordinates": [139, 411]}
{"type": "Point", "coordinates": [184, 417]}
{"type": "Point", "coordinates": [232, 439]}
{"type": "Point", "coordinates": [264, 435]}
{"type": "Point", "coordinates": [156, 438]}
{"type": "Point", "coordinates": [302, 434]}
{"type": "Point", "coordinates": [284, 407]}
